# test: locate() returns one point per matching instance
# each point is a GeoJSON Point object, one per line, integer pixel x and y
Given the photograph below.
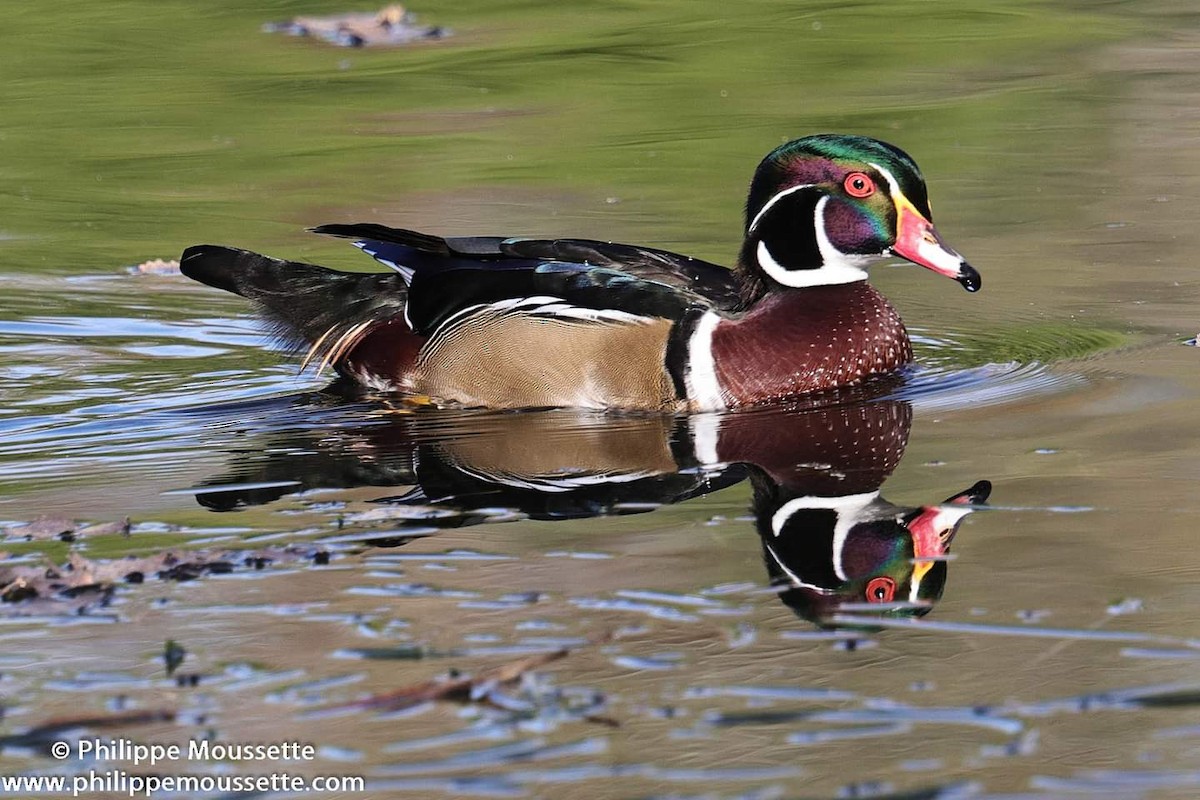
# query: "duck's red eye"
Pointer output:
{"type": "Point", "coordinates": [881, 590]}
{"type": "Point", "coordinates": [859, 185]}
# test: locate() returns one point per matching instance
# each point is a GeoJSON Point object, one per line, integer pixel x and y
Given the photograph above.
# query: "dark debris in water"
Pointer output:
{"type": "Point", "coordinates": [757, 718]}
{"type": "Point", "coordinates": [173, 656]}
{"type": "Point", "coordinates": [877, 791]}
{"type": "Point", "coordinates": [403, 652]}
{"type": "Point", "coordinates": [83, 584]}
{"type": "Point", "coordinates": [1181, 698]}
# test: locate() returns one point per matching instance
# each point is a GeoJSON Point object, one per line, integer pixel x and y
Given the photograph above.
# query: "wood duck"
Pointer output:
{"type": "Point", "coordinates": [523, 323]}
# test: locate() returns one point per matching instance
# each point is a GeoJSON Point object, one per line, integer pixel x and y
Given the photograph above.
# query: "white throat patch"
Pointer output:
{"type": "Point", "coordinates": [850, 511]}
{"type": "Point", "coordinates": [837, 267]}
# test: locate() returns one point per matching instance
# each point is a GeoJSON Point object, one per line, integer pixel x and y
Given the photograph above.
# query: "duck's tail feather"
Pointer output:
{"type": "Point", "coordinates": [311, 309]}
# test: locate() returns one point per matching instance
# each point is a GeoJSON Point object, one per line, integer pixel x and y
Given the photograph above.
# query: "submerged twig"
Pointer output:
{"type": "Point", "coordinates": [463, 688]}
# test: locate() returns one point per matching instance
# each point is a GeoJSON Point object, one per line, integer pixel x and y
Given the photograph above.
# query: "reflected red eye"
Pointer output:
{"type": "Point", "coordinates": [881, 590]}
{"type": "Point", "coordinates": [859, 185]}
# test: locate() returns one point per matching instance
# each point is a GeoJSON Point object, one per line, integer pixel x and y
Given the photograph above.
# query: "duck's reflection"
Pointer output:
{"type": "Point", "coordinates": [830, 541]}
{"type": "Point", "coordinates": [829, 554]}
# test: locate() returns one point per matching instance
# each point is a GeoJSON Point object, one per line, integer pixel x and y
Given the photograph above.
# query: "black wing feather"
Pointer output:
{"type": "Point", "coordinates": [704, 283]}
{"type": "Point", "coordinates": [717, 284]}
{"type": "Point", "coordinates": [435, 296]}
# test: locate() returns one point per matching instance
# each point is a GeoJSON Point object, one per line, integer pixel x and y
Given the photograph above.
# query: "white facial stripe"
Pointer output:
{"type": "Point", "coordinates": [767, 206]}
{"type": "Point", "coordinates": [849, 510]}
{"type": "Point", "coordinates": [893, 186]}
{"type": "Point", "coordinates": [700, 377]}
{"type": "Point", "coordinates": [838, 267]}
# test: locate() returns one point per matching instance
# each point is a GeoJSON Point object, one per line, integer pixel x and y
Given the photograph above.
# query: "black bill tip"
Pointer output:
{"type": "Point", "coordinates": [979, 492]}
{"type": "Point", "coordinates": [973, 495]}
{"type": "Point", "coordinates": [969, 277]}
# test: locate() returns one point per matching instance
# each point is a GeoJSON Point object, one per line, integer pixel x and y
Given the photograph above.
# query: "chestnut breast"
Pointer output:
{"type": "Point", "coordinates": [806, 340]}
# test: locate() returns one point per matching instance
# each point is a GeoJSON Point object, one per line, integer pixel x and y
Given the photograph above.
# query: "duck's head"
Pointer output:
{"type": "Point", "coordinates": [826, 553]}
{"type": "Point", "coordinates": [822, 208]}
